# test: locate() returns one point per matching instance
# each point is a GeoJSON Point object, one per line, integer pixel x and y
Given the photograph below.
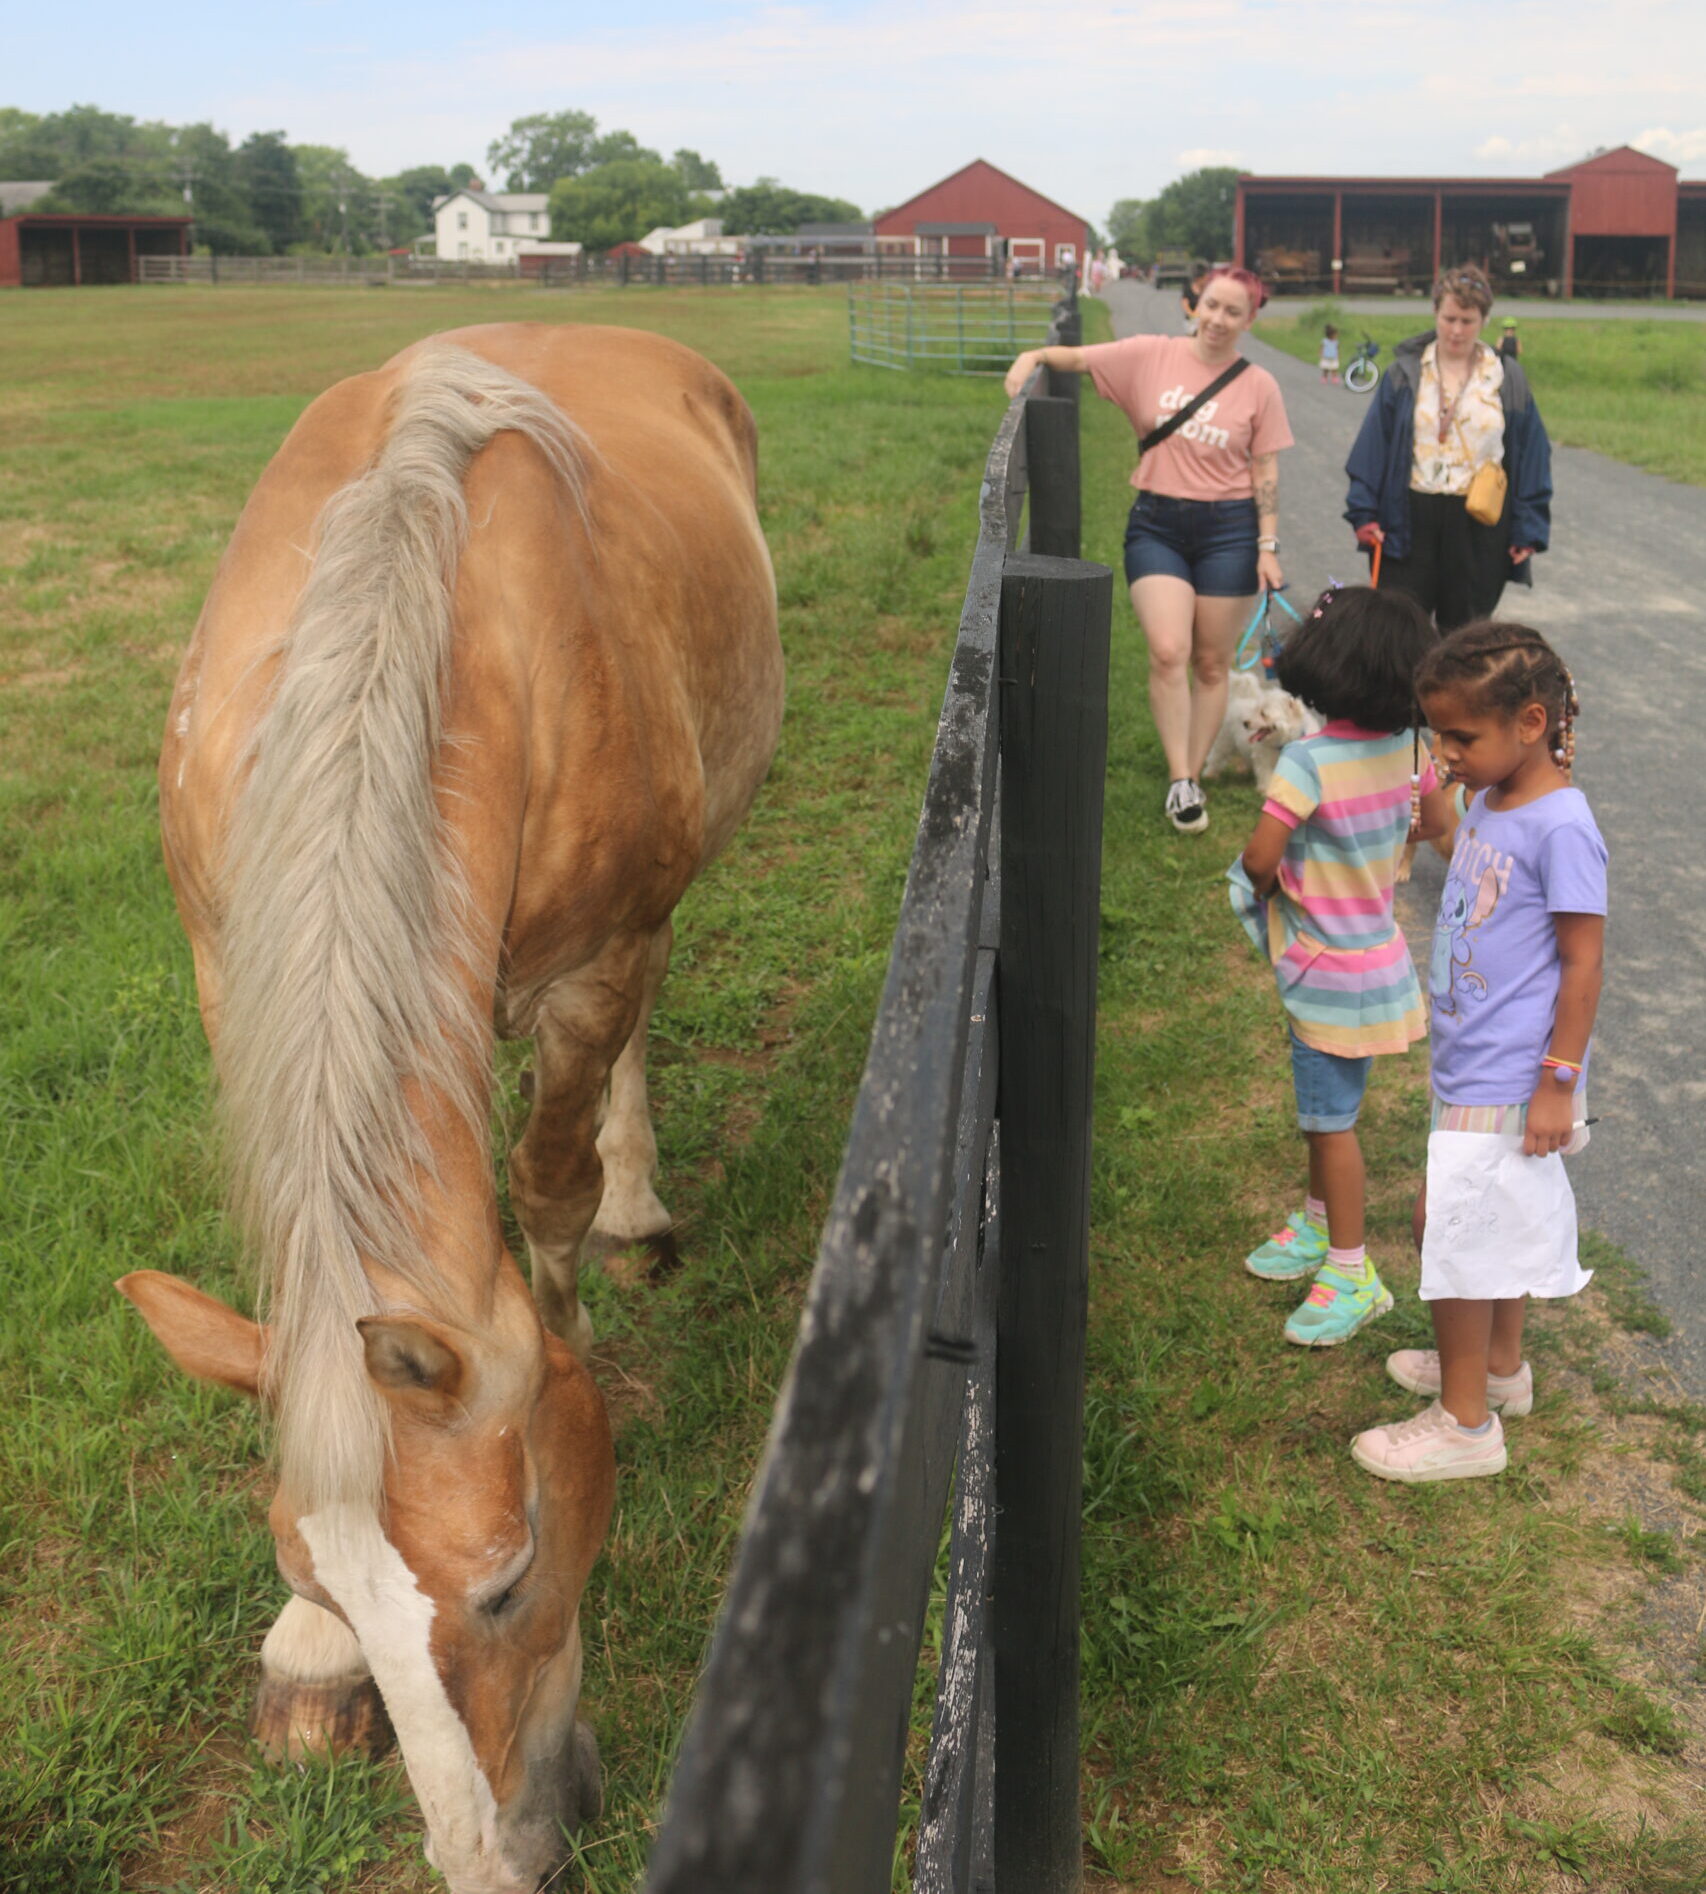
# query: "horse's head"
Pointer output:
{"type": "Point", "coordinates": [463, 1590]}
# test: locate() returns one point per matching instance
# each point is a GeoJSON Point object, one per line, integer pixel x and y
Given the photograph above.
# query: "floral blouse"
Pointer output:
{"type": "Point", "coordinates": [1476, 431]}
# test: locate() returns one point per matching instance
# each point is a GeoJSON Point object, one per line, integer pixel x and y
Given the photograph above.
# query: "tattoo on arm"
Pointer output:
{"type": "Point", "coordinates": [1265, 481]}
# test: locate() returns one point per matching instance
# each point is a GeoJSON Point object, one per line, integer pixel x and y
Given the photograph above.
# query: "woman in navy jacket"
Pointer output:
{"type": "Point", "coordinates": [1448, 403]}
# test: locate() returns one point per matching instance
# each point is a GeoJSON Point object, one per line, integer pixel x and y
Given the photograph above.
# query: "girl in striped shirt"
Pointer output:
{"type": "Point", "coordinates": [1314, 890]}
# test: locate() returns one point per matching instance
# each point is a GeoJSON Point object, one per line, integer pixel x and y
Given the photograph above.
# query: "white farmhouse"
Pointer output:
{"type": "Point", "coordinates": [477, 226]}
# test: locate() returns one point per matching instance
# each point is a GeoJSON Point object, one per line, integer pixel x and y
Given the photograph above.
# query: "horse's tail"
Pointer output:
{"type": "Point", "coordinates": [346, 936]}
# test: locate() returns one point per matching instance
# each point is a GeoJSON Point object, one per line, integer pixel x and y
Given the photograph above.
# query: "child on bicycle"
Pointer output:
{"type": "Point", "coordinates": [1314, 890]}
{"type": "Point", "coordinates": [1515, 984]}
{"type": "Point", "coordinates": [1329, 353]}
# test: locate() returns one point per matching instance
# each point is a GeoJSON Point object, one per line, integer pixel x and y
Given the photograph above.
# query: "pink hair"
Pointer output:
{"type": "Point", "coordinates": [1247, 280]}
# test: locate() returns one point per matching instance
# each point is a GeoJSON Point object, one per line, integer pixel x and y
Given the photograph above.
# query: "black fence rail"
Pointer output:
{"type": "Point", "coordinates": [944, 1325]}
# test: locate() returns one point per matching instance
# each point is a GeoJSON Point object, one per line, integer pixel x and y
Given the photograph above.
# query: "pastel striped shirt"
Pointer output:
{"type": "Point", "coordinates": [1338, 955]}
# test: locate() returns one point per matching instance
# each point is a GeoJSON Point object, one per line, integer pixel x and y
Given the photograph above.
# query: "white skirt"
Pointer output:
{"type": "Point", "coordinates": [1499, 1224]}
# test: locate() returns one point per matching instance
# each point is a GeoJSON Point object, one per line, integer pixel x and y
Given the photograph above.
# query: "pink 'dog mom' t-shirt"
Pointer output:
{"type": "Point", "coordinates": [1152, 376]}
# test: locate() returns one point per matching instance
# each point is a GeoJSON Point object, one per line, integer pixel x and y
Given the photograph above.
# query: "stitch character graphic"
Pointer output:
{"type": "Point", "coordinates": [1453, 967]}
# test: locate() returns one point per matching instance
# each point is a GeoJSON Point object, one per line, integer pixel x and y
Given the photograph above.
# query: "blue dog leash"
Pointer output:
{"type": "Point", "coordinates": [1260, 628]}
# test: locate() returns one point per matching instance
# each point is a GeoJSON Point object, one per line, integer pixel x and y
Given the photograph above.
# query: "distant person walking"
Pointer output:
{"type": "Point", "coordinates": [1203, 534]}
{"type": "Point", "coordinates": [1448, 407]}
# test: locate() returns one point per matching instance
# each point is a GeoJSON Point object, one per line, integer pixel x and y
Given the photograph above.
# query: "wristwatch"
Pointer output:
{"type": "Point", "coordinates": [1267, 545]}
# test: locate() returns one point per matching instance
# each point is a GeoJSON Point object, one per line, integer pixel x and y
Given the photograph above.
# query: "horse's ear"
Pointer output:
{"type": "Point", "coordinates": [415, 1363]}
{"type": "Point", "coordinates": [204, 1337]}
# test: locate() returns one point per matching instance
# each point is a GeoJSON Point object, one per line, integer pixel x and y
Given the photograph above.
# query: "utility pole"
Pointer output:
{"type": "Point", "coordinates": [186, 174]}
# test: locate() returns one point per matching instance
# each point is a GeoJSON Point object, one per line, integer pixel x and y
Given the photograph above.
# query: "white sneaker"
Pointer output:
{"type": "Point", "coordinates": [1418, 1370]}
{"type": "Point", "coordinates": [1185, 807]}
{"type": "Point", "coordinates": [1430, 1447]}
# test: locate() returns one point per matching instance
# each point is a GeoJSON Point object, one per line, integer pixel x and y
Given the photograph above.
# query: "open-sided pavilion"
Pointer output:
{"type": "Point", "coordinates": [1617, 224]}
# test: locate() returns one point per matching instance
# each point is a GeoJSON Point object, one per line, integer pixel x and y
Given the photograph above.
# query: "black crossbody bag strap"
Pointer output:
{"type": "Point", "coordinates": [1184, 414]}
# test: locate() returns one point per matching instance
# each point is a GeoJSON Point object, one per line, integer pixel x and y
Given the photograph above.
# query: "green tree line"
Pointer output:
{"type": "Point", "coordinates": [267, 196]}
{"type": "Point", "coordinates": [1193, 213]}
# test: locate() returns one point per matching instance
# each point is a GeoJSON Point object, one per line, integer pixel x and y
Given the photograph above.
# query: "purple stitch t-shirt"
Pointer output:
{"type": "Point", "coordinates": [1494, 976]}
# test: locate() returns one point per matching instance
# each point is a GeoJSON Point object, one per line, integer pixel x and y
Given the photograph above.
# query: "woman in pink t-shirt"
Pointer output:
{"type": "Point", "coordinates": [1202, 538]}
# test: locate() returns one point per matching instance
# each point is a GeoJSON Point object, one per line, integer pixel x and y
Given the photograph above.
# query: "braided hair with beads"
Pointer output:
{"type": "Point", "coordinates": [1498, 667]}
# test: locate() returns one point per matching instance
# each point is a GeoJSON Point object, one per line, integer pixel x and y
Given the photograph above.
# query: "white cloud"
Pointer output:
{"type": "Point", "coordinates": [1540, 151]}
{"type": "Point", "coordinates": [1677, 148]}
{"type": "Point", "coordinates": [1200, 155]}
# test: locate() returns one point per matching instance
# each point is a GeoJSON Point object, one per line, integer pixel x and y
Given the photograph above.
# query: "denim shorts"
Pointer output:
{"type": "Point", "coordinates": [1210, 544]}
{"type": "Point", "coordinates": [1329, 1089]}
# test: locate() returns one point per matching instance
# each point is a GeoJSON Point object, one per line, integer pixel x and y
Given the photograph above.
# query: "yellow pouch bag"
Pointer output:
{"type": "Point", "coordinates": [1485, 500]}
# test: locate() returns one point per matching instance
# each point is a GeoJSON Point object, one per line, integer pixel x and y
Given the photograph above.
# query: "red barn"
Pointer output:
{"type": "Point", "coordinates": [982, 212]}
{"type": "Point", "coordinates": [69, 248]}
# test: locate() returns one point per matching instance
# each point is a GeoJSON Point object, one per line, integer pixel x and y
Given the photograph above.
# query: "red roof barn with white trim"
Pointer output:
{"type": "Point", "coordinates": [981, 211]}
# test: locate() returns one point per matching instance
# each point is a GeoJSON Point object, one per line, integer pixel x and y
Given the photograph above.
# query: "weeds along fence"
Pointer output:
{"type": "Point", "coordinates": [942, 1339]}
{"type": "Point", "coordinates": [957, 328]}
{"type": "Point", "coordinates": [559, 272]}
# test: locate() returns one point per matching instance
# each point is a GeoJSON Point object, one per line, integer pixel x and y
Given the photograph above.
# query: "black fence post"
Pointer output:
{"type": "Point", "coordinates": [1051, 454]}
{"type": "Point", "coordinates": [1055, 617]}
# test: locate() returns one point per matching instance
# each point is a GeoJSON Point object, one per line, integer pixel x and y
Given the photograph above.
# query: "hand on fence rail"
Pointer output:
{"type": "Point", "coordinates": [1025, 365]}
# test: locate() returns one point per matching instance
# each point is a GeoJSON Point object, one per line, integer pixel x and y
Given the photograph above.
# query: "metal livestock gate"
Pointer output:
{"type": "Point", "coordinates": [944, 1323]}
{"type": "Point", "coordinates": [961, 330]}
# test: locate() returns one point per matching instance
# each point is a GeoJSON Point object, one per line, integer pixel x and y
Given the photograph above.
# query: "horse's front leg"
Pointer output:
{"type": "Point", "coordinates": [317, 1696]}
{"type": "Point", "coordinates": [556, 1173]}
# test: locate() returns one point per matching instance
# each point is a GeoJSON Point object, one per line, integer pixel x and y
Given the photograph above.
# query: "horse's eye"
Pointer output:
{"type": "Point", "coordinates": [497, 1606]}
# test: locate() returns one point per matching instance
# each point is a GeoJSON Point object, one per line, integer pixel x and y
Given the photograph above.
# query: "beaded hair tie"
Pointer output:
{"type": "Point", "coordinates": [1415, 778]}
{"type": "Point", "coordinates": [1565, 753]}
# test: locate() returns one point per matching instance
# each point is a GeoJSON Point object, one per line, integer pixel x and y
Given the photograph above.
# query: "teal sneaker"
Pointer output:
{"type": "Point", "coordinates": [1294, 1251]}
{"type": "Point", "coordinates": [1338, 1305]}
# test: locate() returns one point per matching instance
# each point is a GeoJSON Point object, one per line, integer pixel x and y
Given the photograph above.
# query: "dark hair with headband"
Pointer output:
{"type": "Point", "coordinates": [1499, 667]}
{"type": "Point", "coordinates": [1467, 284]}
{"type": "Point", "coordinates": [1355, 656]}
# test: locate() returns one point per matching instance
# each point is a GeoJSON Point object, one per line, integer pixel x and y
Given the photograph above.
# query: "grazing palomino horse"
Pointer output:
{"type": "Point", "coordinates": [488, 673]}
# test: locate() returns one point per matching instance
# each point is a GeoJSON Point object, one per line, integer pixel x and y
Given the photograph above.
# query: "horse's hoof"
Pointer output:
{"type": "Point", "coordinates": [630, 1259]}
{"type": "Point", "coordinates": [293, 1722]}
{"type": "Point", "coordinates": [665, 1258]}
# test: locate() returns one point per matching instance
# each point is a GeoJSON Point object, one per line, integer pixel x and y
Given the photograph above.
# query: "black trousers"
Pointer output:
{"type": "Point", "coordinates": [1457, 567]}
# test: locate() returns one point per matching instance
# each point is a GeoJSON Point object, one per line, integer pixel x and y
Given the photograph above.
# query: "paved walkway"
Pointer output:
{"type": "Point", "coordinates": [1623, 593]}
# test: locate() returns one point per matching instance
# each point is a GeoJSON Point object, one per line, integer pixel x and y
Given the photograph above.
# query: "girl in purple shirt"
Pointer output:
{"type": "Point", "coordinates": [1515, 980]}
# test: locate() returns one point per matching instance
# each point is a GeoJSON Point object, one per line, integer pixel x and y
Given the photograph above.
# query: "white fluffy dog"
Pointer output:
{"type": "Point", "coordinates": [1260, 721]}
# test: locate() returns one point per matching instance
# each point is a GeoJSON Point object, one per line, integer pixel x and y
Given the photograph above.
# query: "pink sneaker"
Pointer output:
{"type": "Point", "coordinates": [1430, 1447]}
{"type": "Point", "coordinates": [1418, 1370]}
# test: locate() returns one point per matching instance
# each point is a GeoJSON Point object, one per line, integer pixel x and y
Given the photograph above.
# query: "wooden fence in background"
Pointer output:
{"type": "Point", "coordinates": [759, 266]}
{"type": "Point", "coordinates": [943, 1331]}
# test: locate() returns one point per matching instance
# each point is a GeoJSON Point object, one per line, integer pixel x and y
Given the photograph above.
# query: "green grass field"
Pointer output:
{"type": "Point", "coordinates": [1297, 1680]}
{"type": "Point", "coordinates": [1634, 390]}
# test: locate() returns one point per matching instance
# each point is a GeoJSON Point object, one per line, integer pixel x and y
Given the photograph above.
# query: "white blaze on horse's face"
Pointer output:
{"type": "Point", "coordinates": [464, 1592]}
{"type": "Point", "coordinates": [465, 1599]}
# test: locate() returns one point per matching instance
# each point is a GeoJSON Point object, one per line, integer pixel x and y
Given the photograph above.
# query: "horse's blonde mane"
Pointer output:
{"type": "Point", "coordinates": [346, 916]}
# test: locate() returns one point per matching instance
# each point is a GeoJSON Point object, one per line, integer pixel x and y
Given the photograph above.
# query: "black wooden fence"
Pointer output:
{"type": "Point", "coordinates": [944, 1324]}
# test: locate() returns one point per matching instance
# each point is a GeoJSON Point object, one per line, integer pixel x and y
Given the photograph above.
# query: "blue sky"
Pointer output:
{"type": "Point", "coordinates": [1088, 100]}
